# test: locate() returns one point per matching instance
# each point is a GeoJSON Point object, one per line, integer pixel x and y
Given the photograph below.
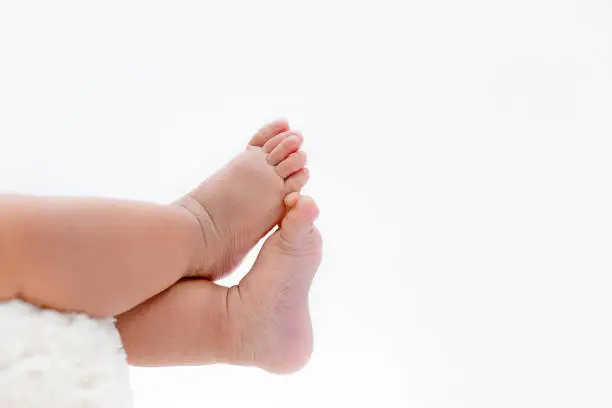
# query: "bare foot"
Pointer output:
{"type": "Point", "coordinates": [239, 204]}
{"type": "Point", "coordinates": [268, 310]}
{"type": "Point", "coordinates": [263, 322]}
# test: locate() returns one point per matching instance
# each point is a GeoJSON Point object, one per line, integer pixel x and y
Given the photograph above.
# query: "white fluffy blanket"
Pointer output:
{"type": "Point", "coordinates": [50, 359]}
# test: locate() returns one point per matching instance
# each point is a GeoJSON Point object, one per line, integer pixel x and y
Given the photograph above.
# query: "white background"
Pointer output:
{"type": "Point", "coordinates": [459, 152]}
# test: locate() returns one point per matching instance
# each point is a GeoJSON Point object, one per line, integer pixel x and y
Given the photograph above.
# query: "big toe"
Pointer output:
{"type": "Point", "coordinates": [297, 228]}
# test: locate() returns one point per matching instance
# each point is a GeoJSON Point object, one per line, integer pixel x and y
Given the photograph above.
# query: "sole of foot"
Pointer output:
{"type": "Point", "coordinates": [269, 308]}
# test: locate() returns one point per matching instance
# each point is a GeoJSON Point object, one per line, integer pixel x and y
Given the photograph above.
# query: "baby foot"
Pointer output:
{"type": "Point", "coordinates": [268, 310]}
{"type": "Point", "coordinates": [239, 204]}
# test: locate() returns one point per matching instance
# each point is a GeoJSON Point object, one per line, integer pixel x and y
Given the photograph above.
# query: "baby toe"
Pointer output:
{"type": "Point", "coordinates": [297, 181]}
{"type": "Point", "coordinates": [269, 131]}
{"type": "Point", "coordinates": [290, 145]}
{"type": "Point", "coordinates": [296, 161]}
{"type": "Point", "coordinates": [272, 143]}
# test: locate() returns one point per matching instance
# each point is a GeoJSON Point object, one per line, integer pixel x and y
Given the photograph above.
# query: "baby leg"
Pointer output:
{"type": "Point", "coordinates": [186, 324]}
{"type": "Point", "coordinates": [263, 322]}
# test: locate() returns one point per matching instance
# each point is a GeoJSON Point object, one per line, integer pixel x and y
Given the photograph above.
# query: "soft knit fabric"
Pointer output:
{"type": "Point", "coordinates": [68, 360]}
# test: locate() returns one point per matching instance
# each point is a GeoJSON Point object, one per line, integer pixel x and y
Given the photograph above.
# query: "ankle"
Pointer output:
{"type": "Point", "coordinates": [222, 336]}
{"type": "Point", "coordinates": [239, 348]}
{"type": "Point", "coordinates": [208, 235]}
